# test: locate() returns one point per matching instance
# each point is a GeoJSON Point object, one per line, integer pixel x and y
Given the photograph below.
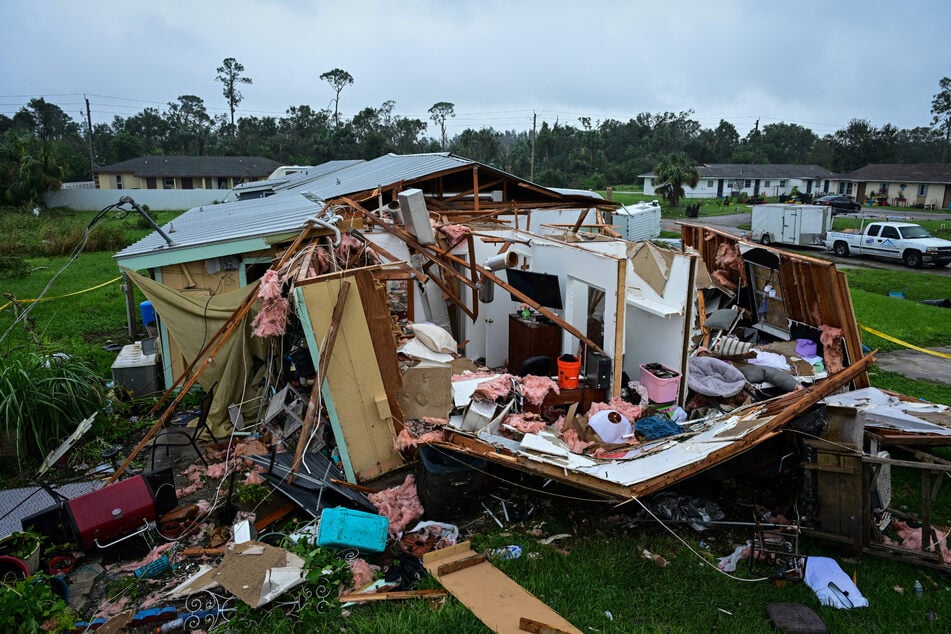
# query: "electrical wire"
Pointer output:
{"type": "Point", "coordinates": [691, 548]}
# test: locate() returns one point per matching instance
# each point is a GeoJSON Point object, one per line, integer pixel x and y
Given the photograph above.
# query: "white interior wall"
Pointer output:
{"type": "Point", "coordinates": [656, 323]}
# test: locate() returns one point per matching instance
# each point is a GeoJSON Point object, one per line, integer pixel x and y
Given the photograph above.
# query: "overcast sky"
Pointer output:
{"type": "Point", "coordinates": [817, 63]}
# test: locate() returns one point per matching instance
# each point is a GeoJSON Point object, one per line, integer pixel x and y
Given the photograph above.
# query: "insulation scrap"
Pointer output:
{"type": "Point", "coordinates": [629, 411]}
{"type": "Point", "coordinates": [574, 442]}
{"type": "Point", "coordinates": [323, 260]}
{"type": "Point", "coordinates": [729, 265]}
{"type": "Point", "coordinates": [434, 421]}
{"type": "Point", "coordinates": [363, 573]}
{"type": "Point", "coordinates": [153, 555]}
{"type": "Point", "coordinates": [536, 388]}
{"type": "Point", "coordinates": [495, 389]}
{"type": "Point", "coordinates": [455, 233]}
{"type": "Point", "coordinates": [832, 356]}
{"type": "Point", "coordinates": [271, 321]}
{"type": "Point", "coordinates": [108, 609]}
{"type": "Point", "coordinates": [911, 539]}
{"type": "Point", "coordinates": [253, 477]}
{"type": "Point", "coordinates": [218, 470]}
{"type": "Point", "coordinates": [348, 247]}
{"type": "Point", "coordinates": [527, 423]}
{"type": "Point", "coordinates": [399, 504]}
{"type": "Point", "coordinates": [471, 376]}
{"type": "Point", "coordinates": [250, 447]}
{"type": "Point", "coordinates": [406, 440]}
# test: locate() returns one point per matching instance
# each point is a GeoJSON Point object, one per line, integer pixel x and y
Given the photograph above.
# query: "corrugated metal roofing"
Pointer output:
{"type": "Point", "coordinates": [171, 166]}
{"type": "Point", "coordinates": [287, 209]}
{"type": "Point", "coordinates": [309, 172]}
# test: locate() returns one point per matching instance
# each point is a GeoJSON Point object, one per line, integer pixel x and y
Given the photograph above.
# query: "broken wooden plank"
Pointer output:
{"type": "Point", "coordinates": [460, 564]}
{"type": "Point", "coordinates": [402, 595]}
{"type": "Point", "coordinates": [493, 597]}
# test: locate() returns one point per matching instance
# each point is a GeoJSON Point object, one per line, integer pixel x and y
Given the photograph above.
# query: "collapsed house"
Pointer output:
{"type": "Point", "coordinates": [427, 300]}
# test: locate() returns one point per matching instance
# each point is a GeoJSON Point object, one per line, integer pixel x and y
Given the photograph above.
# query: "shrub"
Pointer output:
{"type": "Point", "coordinates": [13, 267]}
{"type": "Point", "coordinates": [43, 396]}
{"type": "Point", "coordinates": [62, 238]}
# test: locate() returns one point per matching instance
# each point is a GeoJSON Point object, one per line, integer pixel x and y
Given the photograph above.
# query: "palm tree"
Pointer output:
{"type": "Point", "coordinates": [674, 171]}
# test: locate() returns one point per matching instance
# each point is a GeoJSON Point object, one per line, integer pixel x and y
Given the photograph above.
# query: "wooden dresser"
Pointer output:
{"type": "Point", "coordinates": [528, 338]}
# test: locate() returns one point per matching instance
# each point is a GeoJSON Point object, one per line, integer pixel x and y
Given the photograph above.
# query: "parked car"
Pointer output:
{"type": "Point", "coordinates": [840, 203]}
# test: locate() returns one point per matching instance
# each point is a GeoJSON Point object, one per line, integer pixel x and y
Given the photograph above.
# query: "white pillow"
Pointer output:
{"type": "Point", "coordinates": [435, 338]}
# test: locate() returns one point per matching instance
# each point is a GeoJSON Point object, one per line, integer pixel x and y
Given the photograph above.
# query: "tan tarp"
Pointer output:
{"type": "Point", "coordinates": [192, 320]}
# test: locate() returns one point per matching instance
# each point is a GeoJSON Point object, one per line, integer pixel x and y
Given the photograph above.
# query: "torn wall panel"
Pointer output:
{"type": "Point", "coordinates": [354, 393]}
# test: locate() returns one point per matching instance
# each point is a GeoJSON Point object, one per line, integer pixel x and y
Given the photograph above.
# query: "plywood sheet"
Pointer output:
{"type": "Point", "coordinates": [492, 596]}
{"type": "Point", "coordinates": [361, 416]}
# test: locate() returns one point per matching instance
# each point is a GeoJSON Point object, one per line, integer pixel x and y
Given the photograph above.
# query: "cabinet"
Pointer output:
{"type": "Point", "coordinates": [529, 338]}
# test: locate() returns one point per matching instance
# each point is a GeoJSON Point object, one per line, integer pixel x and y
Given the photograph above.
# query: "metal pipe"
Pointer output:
{"type": "Point", "coordinates": [127, 200]}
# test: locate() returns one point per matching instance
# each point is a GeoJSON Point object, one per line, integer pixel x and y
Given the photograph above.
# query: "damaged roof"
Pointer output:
{"type": "Point", "coordinates": [245, 226]}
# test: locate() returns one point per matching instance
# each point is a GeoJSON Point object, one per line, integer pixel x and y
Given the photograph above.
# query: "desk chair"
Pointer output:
{"type": "Point", "coordinates": [536, 366]}
{"type": "Point", "coordinates": [178, 433]}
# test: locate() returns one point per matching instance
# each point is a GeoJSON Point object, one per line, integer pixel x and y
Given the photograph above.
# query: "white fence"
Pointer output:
{"type": "Point", "coordinates": [157, 199]}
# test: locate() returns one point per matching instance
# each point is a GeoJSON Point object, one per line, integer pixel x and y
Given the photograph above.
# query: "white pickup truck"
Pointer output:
{"type": "Point", "coordinates": [904, 241]}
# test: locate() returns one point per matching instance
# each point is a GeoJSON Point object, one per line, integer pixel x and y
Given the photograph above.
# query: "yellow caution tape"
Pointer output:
{"type": "Point", "coordinates": [46, 299]}
{"type": "Point", "coordinates": [905, 343]}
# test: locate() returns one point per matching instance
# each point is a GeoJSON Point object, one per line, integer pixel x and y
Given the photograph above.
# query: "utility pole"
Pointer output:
{"type": "Point", "coordinates": [92, 161]}
{"type": "Point", "coordinates": [531, 175]}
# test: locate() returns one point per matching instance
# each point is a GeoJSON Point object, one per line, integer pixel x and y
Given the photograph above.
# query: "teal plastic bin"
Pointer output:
{"type": "Point", "coordinates": [346, 528]}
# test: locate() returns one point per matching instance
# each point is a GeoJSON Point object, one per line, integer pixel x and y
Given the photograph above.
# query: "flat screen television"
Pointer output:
{"type": "Point", "coordinates": [542, 288]}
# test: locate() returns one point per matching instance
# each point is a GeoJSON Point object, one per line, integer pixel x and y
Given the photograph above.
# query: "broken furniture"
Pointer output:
{"type": "Point", "coordinates": [178, 433]}
{"type": "Point", "coordinates": [584, 395]}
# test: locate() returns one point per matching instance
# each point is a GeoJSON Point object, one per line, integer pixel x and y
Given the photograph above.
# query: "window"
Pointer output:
{"type": "Point", "coordinates": [765, 183]}
{"type": "Point", "coordinates": [748, 183]}
{"type": "Point", "coordinates": [890, 232]}
{"type": "Point", "coordinates": [848, 188]}
{"type": "Point", "coordinates": [922, 190]}
{"type": "Point", "coordinates": [710, 184]}
{"type": "Point", "coordinates": [873, 230]}
{"type": "Point", "coordinates": [883, 190]}
{"type": "Point", "coordinates": [118, 181]}
{"type": "Point", "coordinates": [169, 183]}
{"type": "Point", "coordinates": [782, 184]}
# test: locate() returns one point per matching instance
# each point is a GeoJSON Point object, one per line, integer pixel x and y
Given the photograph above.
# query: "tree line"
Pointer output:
{"type": "Point", "coordinates": [41, 146]}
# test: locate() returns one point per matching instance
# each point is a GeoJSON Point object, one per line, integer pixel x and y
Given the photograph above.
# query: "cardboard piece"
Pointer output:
{"type": "Point", "coordinates": [492, 596]}
{"type": "Point", "coordinates": [254, 572]}
{"type": "Point", "coordinates": [652, 264]}
{"type": "Point", "coordinates": [427, 391]}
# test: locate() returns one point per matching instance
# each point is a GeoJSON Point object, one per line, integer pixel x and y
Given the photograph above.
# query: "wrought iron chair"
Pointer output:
{"type": "Point", "coordinates": [178, 433]}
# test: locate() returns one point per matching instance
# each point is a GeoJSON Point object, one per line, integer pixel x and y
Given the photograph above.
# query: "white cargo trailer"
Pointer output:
{"type": "Point", "coordinates": [798, 225]}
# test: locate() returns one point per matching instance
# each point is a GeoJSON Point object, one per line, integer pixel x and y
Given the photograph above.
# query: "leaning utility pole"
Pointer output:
{"type": "Point", "coordinates": [92, 161]}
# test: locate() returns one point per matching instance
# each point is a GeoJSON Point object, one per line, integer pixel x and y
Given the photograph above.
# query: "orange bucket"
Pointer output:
{"type": "Point", "coordinates": [569, 367]}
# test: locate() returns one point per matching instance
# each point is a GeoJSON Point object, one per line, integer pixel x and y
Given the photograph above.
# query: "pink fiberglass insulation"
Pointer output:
{"type": "Point", "coordinates": [270, 287]}
{"type": "Point", "coordinates": [406, 440]}
{"type": "Point", "coordinates": [218, 470]}
{"type": "Point", "coordinates": [271, 320]}
{"type": "Point", "coordinates": [729, 265]}
{"type": "Point", "coordinates": [832, 354]}
{"type": "Point", "coordinates": [253, 477]}
{"type": "Point", "coordinates": [251, 447]}
{"type": "Point", "coordinates": [323, 260]}
{"type": "Point", "coordinates": [399, 504]}
{"type": "Point", "coordinates": [527, 423]}
{"type": "Point", "coordinates": [154, 554]}
{"type": "Point", "coordinates": [455, 233]}
{"type": "Point", "coordinates": [494, 389]}
{"type": "Point", "coordinates": [629, 411]}
{"type": "Point", "coordinates": [575, 444]}
{"type": "Point", "coordinates": [434, 421]}
{"type": "Point", "coordinates": [536, 388]}
{"type": "Point", "coordinates": [363, 573]}
{"type": "Point", "coordinates": [911, 539]}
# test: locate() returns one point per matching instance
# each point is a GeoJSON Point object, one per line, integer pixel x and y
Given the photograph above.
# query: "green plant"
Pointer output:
{"type": "Point", "coordinates": [43, 396]}
{"type": "Point", "coordinates": [31, 606]}
{"type": "Point", "coordinates": [22, 543]}
{"type": "Point", "coordinates": [251, 494]}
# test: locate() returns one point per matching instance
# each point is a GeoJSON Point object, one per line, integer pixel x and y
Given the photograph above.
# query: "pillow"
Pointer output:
{"type": "Point", "coordinates": [435, 338]}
